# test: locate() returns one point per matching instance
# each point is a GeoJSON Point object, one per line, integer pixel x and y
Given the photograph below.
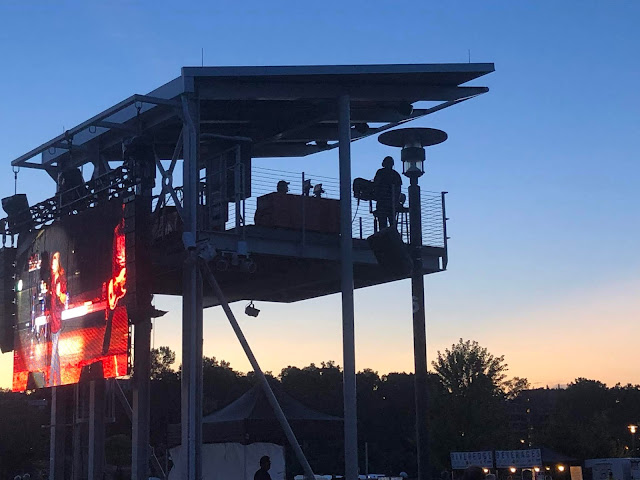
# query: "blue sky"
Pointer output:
{"type": "Point", "coordinates": [542, 171]}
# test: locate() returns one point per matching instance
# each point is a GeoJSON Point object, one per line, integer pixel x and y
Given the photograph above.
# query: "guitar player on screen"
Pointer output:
{"type": "Point", "coordinates": [116, 288]}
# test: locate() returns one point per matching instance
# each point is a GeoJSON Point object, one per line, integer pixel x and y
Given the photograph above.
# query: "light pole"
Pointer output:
{"type": "Point", "coordinates": [413, 141]}
{"type": "Point", "coordinates": [633, 429]}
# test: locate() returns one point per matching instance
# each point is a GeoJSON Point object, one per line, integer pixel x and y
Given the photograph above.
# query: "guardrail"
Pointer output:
{"type": "Point", "coordinates": [265, 181]}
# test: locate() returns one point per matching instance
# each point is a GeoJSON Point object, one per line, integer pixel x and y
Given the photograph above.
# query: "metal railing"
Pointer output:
{"type": "Point", "coordinates": [265, 181]}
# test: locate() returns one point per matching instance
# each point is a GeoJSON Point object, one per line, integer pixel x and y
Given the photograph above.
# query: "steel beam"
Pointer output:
{"type": "Point", "coordinates": [191, 397]}
{"type": "Point", "coordinates": [56, 444]}
{"type": "Point", "coordinates": [57, 142]}
{"type": "Point", "coordinates": [141, 395]}
{"type": "Point", "coordinates": [419, 330]}
{"type": "Point", "coordinates": [140, 313]}
{"type": "Point", "coordinates": [277, 410]}
{"type": "Point", "coordinates": [234, 90]}
{"type": "Point", "coordinates": [96, 429]}
{"type": "Point", "coordinates": [348, 333]}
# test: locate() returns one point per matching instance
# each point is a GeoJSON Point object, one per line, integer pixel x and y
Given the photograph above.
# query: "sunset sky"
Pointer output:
{"type": "Point", "coordinates": [542, 172]}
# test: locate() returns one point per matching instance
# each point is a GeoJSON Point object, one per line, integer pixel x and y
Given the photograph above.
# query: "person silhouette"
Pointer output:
{"type": "Point", "coordinates": [386, 184]}
{"type": "Point", "coordinates": [58, 292]}
{"type": "Point", "coordinates": [263, 472]}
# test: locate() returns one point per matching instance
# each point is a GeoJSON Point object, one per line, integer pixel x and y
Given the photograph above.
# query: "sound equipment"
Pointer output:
{"type": "Point", "coordinates": [363, 189]}
{"type": "Point", "coordinates": [36, 380]}
{"type": "Point", "coordinates": [137, 230]}
{"type": "Point", "coordinates": [18, 214]}
{"type": "Point", "coordinates": [7, 298]}
{"type": "Point", "coordinates": [390, 251]}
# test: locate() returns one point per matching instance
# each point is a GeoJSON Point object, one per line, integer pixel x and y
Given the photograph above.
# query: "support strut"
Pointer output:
{"type": "Point", "coordinates": [282, 419]}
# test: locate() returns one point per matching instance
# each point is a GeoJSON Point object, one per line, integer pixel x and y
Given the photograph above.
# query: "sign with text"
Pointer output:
{"type": "Point", "coordinates": [518, 458]}
{"type": "Point", "coordinates": [462, 460]}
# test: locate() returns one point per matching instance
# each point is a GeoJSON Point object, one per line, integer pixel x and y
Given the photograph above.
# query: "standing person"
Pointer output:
{"type": "Point", "coordinates": [387, 184]}
{"type": "Point", "coordinates": [263, 472]}
{"type": "Point", "coordinates": [58, 291]}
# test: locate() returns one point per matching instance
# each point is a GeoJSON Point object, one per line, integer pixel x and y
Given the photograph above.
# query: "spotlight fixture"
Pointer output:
{"type": "Point", "coordinates": [251, 310]}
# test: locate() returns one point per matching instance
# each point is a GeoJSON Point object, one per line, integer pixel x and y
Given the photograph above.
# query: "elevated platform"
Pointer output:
{"type": "Point", "coordinates": [286, 269]}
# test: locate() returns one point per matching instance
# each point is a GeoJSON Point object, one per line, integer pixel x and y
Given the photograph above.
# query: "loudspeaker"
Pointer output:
{"type": "Point", "coordinates": [7, 298]}
{"type": "Point", "coordinates": [390, 251]}
{"type": "Point", "coordinates": [93, 371]}
{"type": "Point", "coordinates": [137, 220]}
{"type": "Point", "coordinates": [36, 380]}
{"type": "Point", "coordinates": [18, 214]}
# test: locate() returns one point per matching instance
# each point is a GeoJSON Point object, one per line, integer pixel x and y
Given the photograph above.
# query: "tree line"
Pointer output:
{"type": "Point", "coordinates": [473, 405]}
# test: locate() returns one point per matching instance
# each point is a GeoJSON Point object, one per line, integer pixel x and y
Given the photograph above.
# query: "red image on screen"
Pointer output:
{"type": "Point", "coordinates": [71, 320]}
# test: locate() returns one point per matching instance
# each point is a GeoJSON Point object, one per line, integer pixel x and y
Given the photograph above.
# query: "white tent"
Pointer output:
{"type": "Point", "coordinates": [223, 461]}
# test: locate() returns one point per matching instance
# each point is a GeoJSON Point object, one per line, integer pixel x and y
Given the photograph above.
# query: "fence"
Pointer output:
{"type": "Point", "coordinates": [265, 180]}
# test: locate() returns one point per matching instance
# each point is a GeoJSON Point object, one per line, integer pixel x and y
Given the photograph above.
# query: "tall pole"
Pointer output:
{"type": "Point", "coordinates": [145, 173]}
{"type": "Point", "coordinates": [141, 395]}
{"type": "Point", "coordinates": [95, 458]}
{"type": "Point", "coordinates": [419, 329]}
{"type": "Point", "coordinates": [191, 394]}
{"type": "Point", "coordinates": [346, 257]}
{"type": "Point", "coordinates": [56, 445]}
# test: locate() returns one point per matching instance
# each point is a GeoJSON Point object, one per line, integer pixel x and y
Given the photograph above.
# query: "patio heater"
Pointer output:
{"type": "Point", "coordinates": [413, 142]}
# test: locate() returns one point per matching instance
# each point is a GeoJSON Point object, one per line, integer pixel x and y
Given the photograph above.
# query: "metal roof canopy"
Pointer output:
{"type": "Point", "coordinates": [284, 111]}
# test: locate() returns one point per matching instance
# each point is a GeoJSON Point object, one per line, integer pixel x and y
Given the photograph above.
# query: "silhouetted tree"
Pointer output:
{"type": "Point", "coordinates": [467, 363]}
{"type": "Point", "coordinates": [162, 359]}
{"type": "Point", "coordinates": [584, 422]}
{"type": "Point", "coordinates": [472, 401]}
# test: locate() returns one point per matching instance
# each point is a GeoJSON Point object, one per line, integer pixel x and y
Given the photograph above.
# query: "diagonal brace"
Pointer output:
{"type": "Point", "coordinates": [206, 273]}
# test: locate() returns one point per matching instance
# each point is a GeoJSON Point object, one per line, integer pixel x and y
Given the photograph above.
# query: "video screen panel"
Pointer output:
{"type": "Point", "coordinates": [70, 290]}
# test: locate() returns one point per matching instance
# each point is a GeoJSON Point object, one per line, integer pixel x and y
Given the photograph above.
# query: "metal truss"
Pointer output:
{"type": "Point", "coordinates": [114, 184]}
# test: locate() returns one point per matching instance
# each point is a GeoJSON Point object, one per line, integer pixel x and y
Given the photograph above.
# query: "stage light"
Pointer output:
{"type": "Point", "coordinates": [512, 469]}
{"type": "Point", "coordinates": [561, 468]}
{"type": "Point", "coordinates": [536, 469]}
{"type": "Point", "coordinates": [485, 470]}
{"type": "Point", "coordinates": [251, 310]}
{"type": "Point", "coordinates": [20, 285]}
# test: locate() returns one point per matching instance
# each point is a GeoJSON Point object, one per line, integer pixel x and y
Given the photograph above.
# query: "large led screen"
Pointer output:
{"type": "Point", "coordinates": [70, 287]}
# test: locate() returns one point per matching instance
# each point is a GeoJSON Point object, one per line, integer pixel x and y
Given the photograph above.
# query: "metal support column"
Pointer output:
{"type": "Point", "coordinates": [277, 410]}
{"type": "Point", "coordinates": [191, 303]}
{"type": "Point", "coordinates": [96, 429]}
{"type": "Point", "coordinates": [143, 162]}
{"type": "Point", "coordinates": [419, 330]}
{"type": "Point", "coordinates": [346, 257]}
{"type": "Point", "coordinates": [141, 395]}
{"type": "Point", "coordinates": [56, 445]}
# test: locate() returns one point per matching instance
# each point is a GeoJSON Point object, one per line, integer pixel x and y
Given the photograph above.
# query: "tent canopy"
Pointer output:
{"type": "Point", "coordinates": [251, 419]}
{"type": "Point", "coordinates": [254, 405]}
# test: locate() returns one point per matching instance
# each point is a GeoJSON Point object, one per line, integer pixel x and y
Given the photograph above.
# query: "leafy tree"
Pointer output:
{"type": "Point", "coordinates": [162, 359]}
{"type": "Point", "coordinates": [467, 363]}
{"type": "Point", "coordinates": [221, 384]}
{"type": "Point", "coordinates": [582, 424]}
{"type": "Point", "coordinates": [472, 402]}
{"type": "Point", "coordinates": [317, 387]}
{"type": "Point", "coordinates": [515, 386]}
